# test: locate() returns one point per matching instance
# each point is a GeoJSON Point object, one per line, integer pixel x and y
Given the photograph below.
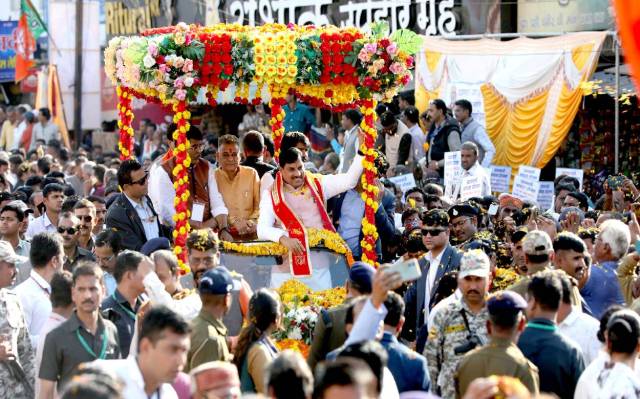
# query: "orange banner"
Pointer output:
{"type": "Point", "coordinates": [628, 20]}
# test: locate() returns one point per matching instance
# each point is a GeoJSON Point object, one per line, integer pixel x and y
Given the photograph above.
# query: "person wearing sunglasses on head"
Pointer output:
{"type": "Point", "coordinates": [441, 258]}
{"type": "Point", "coordinates": [69, 230]}
{"type": "Point", "coordinates": [132, 214]}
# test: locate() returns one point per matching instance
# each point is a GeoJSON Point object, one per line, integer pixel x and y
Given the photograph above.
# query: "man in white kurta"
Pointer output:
{"type": "Point", "coordinates": [301, 202]}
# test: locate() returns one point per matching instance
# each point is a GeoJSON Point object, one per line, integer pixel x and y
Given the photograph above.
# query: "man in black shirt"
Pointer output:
{"type": "Point", "coordinates": [253, 147]}
{"type": "Point", "coordinates": [560, 362]}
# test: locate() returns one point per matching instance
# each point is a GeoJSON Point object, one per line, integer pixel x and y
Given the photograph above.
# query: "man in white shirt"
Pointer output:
{"type": "Point", "coordinates": [45, 129]}
{"type": "Point", "coordinates": [473, 131]}
{"type": "Point", "coordinates": [205, 201]}
{"type": "Point", "coordinates": [47, 258]}
{"type": "Point", "coordinates": [162, 353]}
{"type": "Point", "coordinates": [411, 118]}
{"type": "Point", "coordinates": [62, 308]}
{"type": "Point", "coordinates": [475, 181]}
{"type": "Point", "coordinates": [576, 325]}
{"type": "Point", "coordinates": [53, 197]}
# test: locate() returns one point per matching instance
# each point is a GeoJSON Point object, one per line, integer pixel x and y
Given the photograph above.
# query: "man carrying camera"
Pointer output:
{"type": "Point", "coordinates": [462, 325]}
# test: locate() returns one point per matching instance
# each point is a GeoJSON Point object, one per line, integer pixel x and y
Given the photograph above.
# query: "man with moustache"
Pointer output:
{"type": "Point", "coordinates": [84, 337]}
{"type": "Point", "coordinates": [462, 325]}
{"type": "Point", "coordinates": [86, 212]}
{"type": "Point", "coordinates": [569, 256]}
{"type": "Point", "coordinates": [69, 230]}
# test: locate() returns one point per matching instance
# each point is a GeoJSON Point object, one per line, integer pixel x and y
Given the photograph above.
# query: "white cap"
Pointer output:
{"type": "Point", "coordinates": [7, 254]}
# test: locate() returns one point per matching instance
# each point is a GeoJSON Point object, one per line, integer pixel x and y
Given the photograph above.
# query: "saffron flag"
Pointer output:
{"type": "Point", "coordinates": [30, 27]}
{"type": "Point", "coordinates": [628, 19]}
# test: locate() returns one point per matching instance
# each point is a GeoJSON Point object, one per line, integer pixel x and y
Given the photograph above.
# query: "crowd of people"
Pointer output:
{"type": "Point", "coordinates": [512, 300]}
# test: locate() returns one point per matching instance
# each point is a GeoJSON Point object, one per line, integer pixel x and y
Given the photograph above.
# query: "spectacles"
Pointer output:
{"type": "Point", "coordinates": [142, 180]}
{"type": "Point", "coordinates": [86, 218]}
{"type": "Point", "coordinates": [104, 260]}
{"type": "Point", "coordinates": [208, 261]}
{"type": "Point", "coordinates": [68, 230]}
{"type": "Point", "coordinates": [432, 232]}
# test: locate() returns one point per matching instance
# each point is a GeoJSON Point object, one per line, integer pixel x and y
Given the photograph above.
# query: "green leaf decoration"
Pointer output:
{"type": "Point", "coordinates": [379, 29]}
{"type": "Point", "coordinates": [194, 51]}
{"type": "Point", "coordinates": [407, 41]}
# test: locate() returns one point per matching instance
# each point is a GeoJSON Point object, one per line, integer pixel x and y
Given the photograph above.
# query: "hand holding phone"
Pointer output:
{"type": "Point", "coordinates": [408, 270]}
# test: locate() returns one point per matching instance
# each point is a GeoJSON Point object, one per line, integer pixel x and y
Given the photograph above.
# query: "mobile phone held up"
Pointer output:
{"type": "Point", "coordinates": [409, 270]}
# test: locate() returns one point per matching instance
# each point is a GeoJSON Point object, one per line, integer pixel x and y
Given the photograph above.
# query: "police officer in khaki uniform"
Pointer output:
{"type": "Point", "coordinates": [208, 332]}
{"type": "Point", "coordinates": [17, 368]}
{"type": "Point", "coordinates": [460, 326]}
{"type": "Point", "coordinates": [500, 356]}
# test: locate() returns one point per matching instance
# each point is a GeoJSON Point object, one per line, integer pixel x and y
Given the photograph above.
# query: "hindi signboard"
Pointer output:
{"type": "Point", "coordinates": [471, 186]}
{"type": "Point", "coordinates": [545, 195]}
{"type": "Point", "coordinates": [500, 178]}
{"type": "Point", "coordinates": [405, 182]}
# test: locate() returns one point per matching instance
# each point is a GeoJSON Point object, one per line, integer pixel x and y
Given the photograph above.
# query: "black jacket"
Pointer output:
{"type": "Point", "coordinates": [260, 167]}
{"type": "Point", "coordinates": [123, 218]}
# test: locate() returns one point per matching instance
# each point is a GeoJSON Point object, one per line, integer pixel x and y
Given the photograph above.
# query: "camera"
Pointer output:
{"type": "Point", "coordinates": [472, 342]}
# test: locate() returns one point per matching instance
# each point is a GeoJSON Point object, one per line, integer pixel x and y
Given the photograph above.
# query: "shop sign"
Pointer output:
{"type": "Point", "coordinates": [563, 15]}
{"type": "Point", "coordinates": [8, 34]}
{"type": "Point", "coordinates": [429, 17]}
{"type": "Point", "coordinates": [130, 17]}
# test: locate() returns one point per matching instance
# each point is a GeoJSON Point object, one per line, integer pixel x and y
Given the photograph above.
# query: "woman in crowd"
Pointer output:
{"type": "Point", "coordinates": [256, 350]}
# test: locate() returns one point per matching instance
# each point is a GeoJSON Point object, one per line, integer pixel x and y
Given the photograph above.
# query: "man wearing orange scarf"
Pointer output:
{"type": "Point", "coordinates": [296, 202]}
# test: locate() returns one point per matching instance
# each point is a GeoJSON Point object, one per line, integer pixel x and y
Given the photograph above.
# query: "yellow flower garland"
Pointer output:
{"type": "Point", "coordinates": [317, 238]}
{"type": "Point", "coordinates": [370, 191]}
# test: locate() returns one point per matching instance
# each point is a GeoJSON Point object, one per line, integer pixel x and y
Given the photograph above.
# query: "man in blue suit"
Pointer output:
{"type": "Point", "coordinates": [409, 369]}
{"type": "Point", "coordinates": [442, 259]}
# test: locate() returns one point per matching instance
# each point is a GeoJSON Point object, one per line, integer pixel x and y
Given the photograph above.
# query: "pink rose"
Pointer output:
{"type": "Point", "coordinates": [364, 56]}
{"type": "Point", "coordinates": [181, 94]}
{"type": "Point", "coordinates": [163, 68]}
{"type": "Point", "coordinates": [179, 83]}
{"type": "Point", "coordinates": [153, 49]}
{"type": "Point", "coordinates": [396, 68]}
{"type": "Point", "coordinates": [392, 49]}
{"type": "Point", "coordinates": [178, 62]}
{"type": "Point", "coordinates": [371, 47]}
{"type": "Point", "coordinates": [409, 61]}
{"type": "Point", "coordinates": [188, 65]}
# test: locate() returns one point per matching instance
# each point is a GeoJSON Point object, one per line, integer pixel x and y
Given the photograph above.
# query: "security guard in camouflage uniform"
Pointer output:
{"type": "Point", "coordinates": [17, 357]}
{"type": "Point", "coordinates": [501, 355]}
{"type": "Point", "coordinates": [208, 332]}
{"type": "Point", "coordinates": [462, 325]}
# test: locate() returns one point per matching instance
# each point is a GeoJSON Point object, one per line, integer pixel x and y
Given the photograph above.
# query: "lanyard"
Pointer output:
{"type": "Point", "coordinates": [127, 311]}
{"type": "Point", "coordinates": [103, 350]}
{"type": "Point", "coordinates": [46, 291]}
{"type": "Point", "coordinates": [541, 326]}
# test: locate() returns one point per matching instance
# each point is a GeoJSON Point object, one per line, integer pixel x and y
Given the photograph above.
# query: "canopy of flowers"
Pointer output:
{"type": "Point", "coordinates": [326, 66]}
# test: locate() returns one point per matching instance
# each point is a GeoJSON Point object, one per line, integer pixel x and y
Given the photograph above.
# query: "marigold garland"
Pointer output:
{"type": "Point", "coordinates": [316, 237]}
{"type": "Point", "coordinates": [294, 345]}
{"type": "Point", "coordinates": [181, 184]}
{"type": "Point", "coordinates": [277, 119]}
{"type": "Point", "coordinates": [125, 117]}
{"type": "Point", "coordinates": [370, 190]}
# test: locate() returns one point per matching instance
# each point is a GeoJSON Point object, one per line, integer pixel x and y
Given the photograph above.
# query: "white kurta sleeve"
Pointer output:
{"type": "Point", "coordinates": [162, 194]}
{"type": "Point", "coordinates": [215, 198]}
{"type": "Point", "coordinates": [266, 230]}
{"type": "Point", "coordinates": [338, 184]}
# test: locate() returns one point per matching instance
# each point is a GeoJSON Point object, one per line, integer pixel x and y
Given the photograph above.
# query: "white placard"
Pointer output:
{"type": "Point", "coordinates": [500, 178]}
{"type": "Point", "coordinates": [526, 188]}
{"type": "Point", "coordinates": [452, 168]}
{"type": "Point", "coordinates": [471, 187]}
{"type": "Point", "coordinates": [545, 195]}
{"type": "Point", "coordinates": [197, 212]}
{"type": "Point", "coordinates": [529, 172]}
{"type": "Point", "coordinates": [405, 182]}
{"type": "Point", "coordinates": [577, 173]}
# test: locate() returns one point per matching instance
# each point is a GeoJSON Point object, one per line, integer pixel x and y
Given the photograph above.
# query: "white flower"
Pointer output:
{"type": "Point", "coordinates": [148, 61]}
{"type": "Point", "coordinates": [295, 333]}
{"type": "Point", "coordinates": [188, 81]}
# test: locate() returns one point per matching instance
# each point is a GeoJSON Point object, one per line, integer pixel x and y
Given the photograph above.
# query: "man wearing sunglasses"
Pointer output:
{"type": "Point", "coordinates": [132, 214]}
{"type": "Point", "coordinates": [69, 230]}
{"type": "Point", "coordinates": [86, 212]}
{"type": "Point", "coordinates": [441, 259]}
{"type": "Point", "coordinates": [205, 202]}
